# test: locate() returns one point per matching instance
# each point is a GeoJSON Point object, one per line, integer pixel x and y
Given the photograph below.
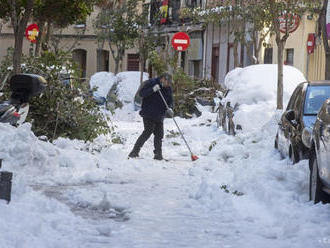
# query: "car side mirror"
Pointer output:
{"type": "Point", "coordinates": [290, 115]}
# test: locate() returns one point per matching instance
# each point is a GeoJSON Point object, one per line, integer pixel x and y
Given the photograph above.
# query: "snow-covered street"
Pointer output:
{"type": "Point", "coordinates": [239, 193]}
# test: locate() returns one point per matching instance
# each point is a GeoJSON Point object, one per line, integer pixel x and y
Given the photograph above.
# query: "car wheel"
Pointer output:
{"type": "Point", "coordinates": [315, 185]}
{"type": "Point", "coordinates": [293, 154]}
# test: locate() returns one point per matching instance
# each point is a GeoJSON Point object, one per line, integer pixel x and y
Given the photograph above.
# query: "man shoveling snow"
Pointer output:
{"type": "Point", "coordinates": [153, 113]}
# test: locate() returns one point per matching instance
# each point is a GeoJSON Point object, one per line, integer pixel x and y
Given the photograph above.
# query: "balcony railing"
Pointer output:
{"type": "Point", "coordinates": [167, 12]}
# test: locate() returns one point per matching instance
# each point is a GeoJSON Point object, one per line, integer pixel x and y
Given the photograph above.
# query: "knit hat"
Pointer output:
{"type": "Point", "coordinates": [167, 76]}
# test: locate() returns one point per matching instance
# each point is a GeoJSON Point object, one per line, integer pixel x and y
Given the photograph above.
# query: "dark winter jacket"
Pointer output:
{"type": "Point", "coordinates": [153, 106]}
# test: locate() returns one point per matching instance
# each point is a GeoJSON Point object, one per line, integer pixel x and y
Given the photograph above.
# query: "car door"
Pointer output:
{"type": "Point", "coordinates": [285, 126]}
{"type": "Point", "coordinates": [296, 130]}
{"type": "Point", "coordinates": [324, 143]}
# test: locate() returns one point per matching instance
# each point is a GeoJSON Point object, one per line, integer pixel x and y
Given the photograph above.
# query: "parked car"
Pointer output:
{"type": "Point", "coordinates": [319, 162]}
{"type": "Point", "coordinates": [299, 118]}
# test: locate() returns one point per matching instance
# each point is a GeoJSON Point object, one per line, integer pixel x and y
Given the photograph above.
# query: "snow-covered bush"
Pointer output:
{"type": "Point", "coordinates": [66, 108]}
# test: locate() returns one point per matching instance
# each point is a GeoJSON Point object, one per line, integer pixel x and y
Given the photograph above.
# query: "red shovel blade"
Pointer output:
{"type": "Point", "coordinates": [194, 157]}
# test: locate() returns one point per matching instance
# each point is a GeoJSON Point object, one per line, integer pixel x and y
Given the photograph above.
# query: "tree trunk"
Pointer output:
{"type": "Point", "coordinates": [19, 23]}
{"type": "Point", "coordinates": [48, 32]}
{"type": "Point", "coordinates": [141, 57]}
{"type": "Point", "coordinates": [19, 36]}
{"type": "Point", "coordinates": [117, 60]}
{"type": "Point", "coordinates": [141, 70]}
{"type": "Point", "coordinates": [39, 38]}
{"type": "Point", "coordinates": [250, 50]}
{"type": "Point", "coordinates": [280, 50]}
{"type": "Point", "coordinates": [322, 23]}
{"type": "Point", "coordinates": [235, 48]}
{"type": "Point", "coordinates": [121, 56]}
{"type": "Point", "coordinates": [142, 64]}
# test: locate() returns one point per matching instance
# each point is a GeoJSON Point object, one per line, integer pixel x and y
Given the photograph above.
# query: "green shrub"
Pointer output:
{"type": "Point", "coordinates": [64, 109]}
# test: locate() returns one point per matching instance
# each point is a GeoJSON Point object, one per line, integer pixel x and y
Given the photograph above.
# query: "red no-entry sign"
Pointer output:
{"type": "Point", "coordinates": [31, 32]}
{"type": "Point", "coordinates": [180, 41]}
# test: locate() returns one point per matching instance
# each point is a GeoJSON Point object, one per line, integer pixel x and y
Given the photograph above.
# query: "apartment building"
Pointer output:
{"type": "Point", "coordinates": [92, 56]}
{"type": "Point", "coordinates": [211, 51]}
{"type": "Point", "coordinates": [211, 54]}
{"type": "Point", "coordinates": [311, 62]}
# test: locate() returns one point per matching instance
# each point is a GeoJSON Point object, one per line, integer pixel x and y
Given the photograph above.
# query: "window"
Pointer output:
{"type": "Point", "coordinates": [268, 57]}
{"type": "Point", "coordinates": [133, 63]}
{"type": "Point", "coordinates": [196, 66]}
{"type": "Point", "coordinates": [215, 63]}
{"type": "Point", "coordinates": [293, 97]}
{"type": "Point", "coordinates": [102, 60]}
{"type": "Point", "coordinates": [174, 11]}
{"type": "Point", "coordinates": [315, 97]}
{"type": "Point", "coordinates": [289, 56]}
{"type": "Point", "coordinates": [154, 11]}
{"type": "Point", "coordinates": [80, 57]}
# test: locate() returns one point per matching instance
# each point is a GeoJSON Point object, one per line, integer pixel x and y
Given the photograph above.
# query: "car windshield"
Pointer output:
{"type": "Point", "coordinates": [315, 97]}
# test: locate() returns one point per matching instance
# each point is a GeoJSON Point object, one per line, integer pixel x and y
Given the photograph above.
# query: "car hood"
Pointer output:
{"type": "Point", "coordinates": [309, 120]}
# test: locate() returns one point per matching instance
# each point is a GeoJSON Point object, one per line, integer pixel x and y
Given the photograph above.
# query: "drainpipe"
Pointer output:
{"type": "Point", "coordinates": [205, 46]}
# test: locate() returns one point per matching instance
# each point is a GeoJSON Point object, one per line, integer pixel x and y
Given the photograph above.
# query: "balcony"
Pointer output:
{"type": "Point", "coordinates": [167, 12]}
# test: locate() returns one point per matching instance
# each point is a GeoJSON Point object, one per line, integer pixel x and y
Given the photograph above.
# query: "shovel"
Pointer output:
{"type": "Point", "coordinates": [193, 157]}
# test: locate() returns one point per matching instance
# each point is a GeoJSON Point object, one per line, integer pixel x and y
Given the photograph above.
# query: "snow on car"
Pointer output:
{"type": "Point", "coordinates": [103, 82]}
{"type": "Point", "coordinates": [254, 89]}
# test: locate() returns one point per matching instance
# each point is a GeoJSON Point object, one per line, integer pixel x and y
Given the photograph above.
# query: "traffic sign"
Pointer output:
{"type": "Point", "coordinates": [180, 41]}
{"type": "Point", "coordinates": [310, 43]}
{"type": "Point", "coordinates": [290, 22]}
{"type": "Point", "coordinates": [31, 32]}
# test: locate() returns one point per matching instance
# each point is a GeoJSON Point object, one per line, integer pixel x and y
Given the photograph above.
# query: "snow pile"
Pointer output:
{"type": "Point", "coordinates": [45, 207]}
{"type": "Point", "coordinates": [128, 84]}
{"type": "Point", "coordinates": [246, 177]}
{"type": "Point", "coordinates": [103, 81]}
{"type": "Point", "coordinates": [254, 88]}
{"type": "Point", "coordinates": [239, 193]}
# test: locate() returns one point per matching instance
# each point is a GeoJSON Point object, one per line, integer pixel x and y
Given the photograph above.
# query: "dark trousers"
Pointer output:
{"type": "Point", "coordinates": [151, 127]}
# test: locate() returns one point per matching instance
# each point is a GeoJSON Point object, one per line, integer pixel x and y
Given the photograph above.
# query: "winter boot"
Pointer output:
{"type": "Point", "coordinates": [158, 156]}
{"type": "Point", "coordinates": [133, 154]}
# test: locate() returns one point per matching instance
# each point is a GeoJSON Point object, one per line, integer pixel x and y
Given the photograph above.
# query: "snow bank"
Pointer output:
{"type": "Point", "coordinates": [254, 88]}
{"type": "Point", "coordinates": [128, 84]}
{"type": "Point", "coordinates": [103, 81]}
{"type": "Point", "coordinates": [40, 214]}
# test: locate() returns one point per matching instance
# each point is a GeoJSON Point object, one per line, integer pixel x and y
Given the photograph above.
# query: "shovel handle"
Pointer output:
{"type": "Point", "coordinates": [161, 95]}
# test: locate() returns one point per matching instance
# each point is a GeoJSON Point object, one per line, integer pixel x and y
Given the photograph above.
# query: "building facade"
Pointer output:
{"type": "Point", "coordinates": [311, 63]}
{"type": "Point", "coordinates": [211, 51]}
{"type": "Point", "coordinates": [91, 55]}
